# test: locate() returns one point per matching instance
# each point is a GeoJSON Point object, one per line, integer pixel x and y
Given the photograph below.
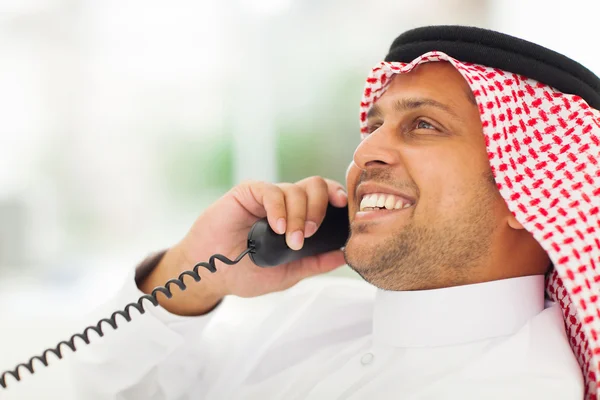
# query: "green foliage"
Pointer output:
{"type": "Point", "coordinates": [193, 167]}
{"type": "Point", "coordinates": [317, 140]}
{"type": "Point", "coordinates": [323, 141]}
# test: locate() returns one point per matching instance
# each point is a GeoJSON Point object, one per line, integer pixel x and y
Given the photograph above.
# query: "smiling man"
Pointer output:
{"type": "Point", "coordinates": [473, 205]}
{"type": "Point", "coordinates": [424, 149]}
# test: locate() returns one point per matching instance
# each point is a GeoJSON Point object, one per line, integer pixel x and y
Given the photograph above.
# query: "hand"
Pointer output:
{"type": "Point", "coordinates": [295, 210]}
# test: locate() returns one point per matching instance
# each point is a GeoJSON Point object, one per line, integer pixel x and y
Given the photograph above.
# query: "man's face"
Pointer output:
{"type": "Point", "coordinates": [425, 151]}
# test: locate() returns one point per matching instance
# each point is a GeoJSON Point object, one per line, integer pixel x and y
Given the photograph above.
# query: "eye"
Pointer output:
{"type": "Point", "coordinates": [422, 124]}
{"type": "Point", "coordinates": [372, 128]}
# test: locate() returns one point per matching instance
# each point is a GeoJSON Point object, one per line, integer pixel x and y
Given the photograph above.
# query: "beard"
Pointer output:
{"type": "Point", "coordinates": [422, 256]}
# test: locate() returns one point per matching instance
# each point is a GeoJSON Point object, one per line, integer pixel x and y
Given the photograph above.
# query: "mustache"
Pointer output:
{"type": "Point", "coordinates": [386, 177]}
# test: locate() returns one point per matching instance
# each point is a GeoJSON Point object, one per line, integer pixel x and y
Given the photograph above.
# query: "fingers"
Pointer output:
{"type": "Point", "coordinates": [337, 194]}
{"type": "Point", "coordinates": [320, 192]}
{"type": "Point", "coordinates": [295, 205]}
{"type": "Point", "coordinates": [296, 209]}
{"type": "Point", "coordinates": [317, 195]}
{"type": "Point", "coordinates": [284, 205]}
{"type": "Point", "coordinates": [269, 200]}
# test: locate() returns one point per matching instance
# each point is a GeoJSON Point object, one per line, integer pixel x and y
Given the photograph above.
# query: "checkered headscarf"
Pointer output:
{"type": "Point", "coordinates": [544, 150]}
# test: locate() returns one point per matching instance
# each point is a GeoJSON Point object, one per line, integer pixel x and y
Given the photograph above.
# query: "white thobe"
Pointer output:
{"type": "Point", "coordinates": [337, 338]}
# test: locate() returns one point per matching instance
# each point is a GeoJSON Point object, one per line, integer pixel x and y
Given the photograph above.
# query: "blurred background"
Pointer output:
{"type": "Point", "coordinates": [121, 120]}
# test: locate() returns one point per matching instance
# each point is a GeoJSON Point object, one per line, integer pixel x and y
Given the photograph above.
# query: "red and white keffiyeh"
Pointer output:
{"type": "Point", "coordinates": [544, 150]}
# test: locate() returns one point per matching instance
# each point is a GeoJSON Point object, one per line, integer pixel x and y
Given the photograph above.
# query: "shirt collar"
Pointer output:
{"type": "Point", "coordinates": [456, 315]}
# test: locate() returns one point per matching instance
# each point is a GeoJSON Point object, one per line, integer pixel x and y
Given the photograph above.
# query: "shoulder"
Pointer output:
{"type": "Point", "coordinates": [548, 348]}
{"type": "Point", "coordinates": [548, 341]}
{"type": "Point", "coordinates": [548, 360]}
{"type": "Point", "coordinates": [537, 360]}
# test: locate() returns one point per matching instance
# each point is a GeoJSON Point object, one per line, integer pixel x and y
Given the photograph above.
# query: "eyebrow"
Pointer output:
{"type": "Point", "coordinates": [408, 104]}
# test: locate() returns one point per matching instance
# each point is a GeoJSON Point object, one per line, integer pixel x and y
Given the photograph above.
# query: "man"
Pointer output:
{"type": "Point", "coordinates": [473, 191]}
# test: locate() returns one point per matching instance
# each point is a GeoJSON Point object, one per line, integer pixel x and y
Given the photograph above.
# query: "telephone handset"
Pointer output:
{"type": "Point", "coordinates": [266, 249]}
{"type": "Point", "coordinates": [270, 248]}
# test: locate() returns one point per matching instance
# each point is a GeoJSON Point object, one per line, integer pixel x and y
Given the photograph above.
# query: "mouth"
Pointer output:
{"type": "Point", "coordinates": [377, 206]}
{"type": "Point", "coordinates": [383, 201]}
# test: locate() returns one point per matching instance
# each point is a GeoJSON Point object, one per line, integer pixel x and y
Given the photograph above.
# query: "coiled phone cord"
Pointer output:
{"type": "Point", "coordinates": [266, 249]}
{"type": "Point", "coordinates": [112, 321]}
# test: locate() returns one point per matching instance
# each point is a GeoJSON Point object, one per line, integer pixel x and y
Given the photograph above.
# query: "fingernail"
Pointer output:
{"type": "Point", "coordinates": [309, 228]}
{"type": "Point", "coordinates": [296, 240]}
{"type": "Point", "coordinates": [281, 226]}
{"type": "Point", "coordinates": [343, 193]}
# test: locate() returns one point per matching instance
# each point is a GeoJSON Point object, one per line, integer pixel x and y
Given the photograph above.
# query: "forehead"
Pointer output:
{"type": "Point", "coordinates": [436, 80]}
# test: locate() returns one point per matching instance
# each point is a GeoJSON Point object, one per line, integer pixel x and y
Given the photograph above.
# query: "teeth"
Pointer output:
{"type": "Point", "coordinates": [382, 200]}
{"type": "Point", "coordinates": [365, 202]}
{"type": "Point", "coordinates": [389, 202]}
{"type": "Point", "coordinates": [372, 202]}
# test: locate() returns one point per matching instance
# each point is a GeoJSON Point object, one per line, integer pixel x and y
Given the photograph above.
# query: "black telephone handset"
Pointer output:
{"type": "Point", "coordinates": [269, 249]}
{"type": "Point", "coordinates": [266, 249]}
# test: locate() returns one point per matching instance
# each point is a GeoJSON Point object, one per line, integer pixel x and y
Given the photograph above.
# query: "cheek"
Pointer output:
{"type": "Point", "coordinates": [352, 175]}
{"type": "Point", "coordinates": [446, 179]}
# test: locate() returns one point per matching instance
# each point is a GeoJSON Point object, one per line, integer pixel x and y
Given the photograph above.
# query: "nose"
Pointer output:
{"type": "Point", "coordinates": [377, 149]}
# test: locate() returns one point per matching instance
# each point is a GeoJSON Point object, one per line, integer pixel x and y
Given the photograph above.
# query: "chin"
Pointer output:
{"type": "Point", "coordinates": [359, 250]}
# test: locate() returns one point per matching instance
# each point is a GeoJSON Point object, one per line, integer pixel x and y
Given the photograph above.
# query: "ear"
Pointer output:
{"type": "Point", "coordinates": [513, 223]}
